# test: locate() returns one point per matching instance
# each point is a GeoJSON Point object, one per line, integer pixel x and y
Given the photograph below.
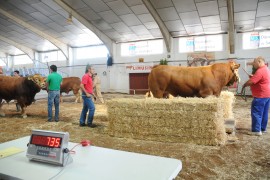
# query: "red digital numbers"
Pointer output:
{"type": "Point", "coordinates": [53, 141]}
{"type": "Point", "coordinates": [48, 141]}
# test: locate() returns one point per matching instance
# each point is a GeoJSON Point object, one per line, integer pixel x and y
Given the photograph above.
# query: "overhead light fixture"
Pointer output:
{"type": "Point", "coordinates": [69, 19]}
{"type": "Point", "coordinates": [259, 28]}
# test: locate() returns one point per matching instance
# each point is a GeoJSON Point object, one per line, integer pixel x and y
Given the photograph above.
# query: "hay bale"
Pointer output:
{"type": "Point", "coordinates": [183, 120]}
{"type": "Point", "coordinates": [228, 99]}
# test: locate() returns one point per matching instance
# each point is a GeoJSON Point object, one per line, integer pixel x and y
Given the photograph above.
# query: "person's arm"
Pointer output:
{"type": "Point", "coordinates": [248, 83]}
{"type": "Point", "coordinates": [83, 89]}
{"type": "Point", "coordinates": [47, 83]}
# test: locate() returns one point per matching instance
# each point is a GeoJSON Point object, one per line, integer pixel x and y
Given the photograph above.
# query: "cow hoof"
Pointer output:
{"type": "Point", "coordinates": [2, 114]}
{"type": "Point", "coordinates": [24, 116]}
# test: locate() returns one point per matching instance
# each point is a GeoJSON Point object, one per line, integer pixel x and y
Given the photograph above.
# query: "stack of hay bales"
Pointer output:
{"type": "Point", "coordinates": [182, 120]}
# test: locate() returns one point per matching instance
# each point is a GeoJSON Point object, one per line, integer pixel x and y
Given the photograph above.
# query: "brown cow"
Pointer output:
{"type": "Point", "coordinates": [71, 84]}
{"type": "Point", "coordinates": [192, 81]}
{"type": "Point", "coordinates": [22, 89]}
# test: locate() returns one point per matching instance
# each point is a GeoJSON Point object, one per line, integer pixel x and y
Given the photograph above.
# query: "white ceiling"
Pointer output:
{"type": "Point", "coordinates": [122, 20]}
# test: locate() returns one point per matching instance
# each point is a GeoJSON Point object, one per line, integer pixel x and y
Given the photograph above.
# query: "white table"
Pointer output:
{"type": "Point", "coordinates": [91, 163]}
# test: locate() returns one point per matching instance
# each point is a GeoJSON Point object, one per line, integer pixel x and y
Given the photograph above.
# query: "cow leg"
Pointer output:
{"type": "Point", "coordinates": [61, 98]}
{"type": "Point", "coordinates": [18, 107]}
{"type": "Point", "coordinates": [205, 92]}
{"type": "Point", "coordinates": [23, 112]}
{"type": "Point", "coordinates": [77, 97]}
{"type": "Point", "coordinates": [158, 94]}
{"type": "Point", "coordinates": [1, 111]}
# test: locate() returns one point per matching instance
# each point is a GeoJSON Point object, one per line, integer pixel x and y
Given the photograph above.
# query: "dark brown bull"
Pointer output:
{"type": "Point", "coordinates": [192, 81]}
{"type": "Point", "coordinates": [71, 84]}
{"type": "Point", "coordinates": [22, 89]}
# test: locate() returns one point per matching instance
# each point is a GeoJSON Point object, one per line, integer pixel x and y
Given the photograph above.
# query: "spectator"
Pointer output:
{"type": "Point", "coordinates": [97, 89]}
{"type": "Point", "coordinates": [54, 81]}
{"type": "Point", "coordinates": [259, 84]}
{"type": "Point", "coordinates": [16, 73]}
{"type": "Point", "coordinates": [87, 96]}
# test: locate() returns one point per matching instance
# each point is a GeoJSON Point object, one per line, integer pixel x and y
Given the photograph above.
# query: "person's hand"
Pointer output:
{"type": "Point", "coordinates": [94, 96]}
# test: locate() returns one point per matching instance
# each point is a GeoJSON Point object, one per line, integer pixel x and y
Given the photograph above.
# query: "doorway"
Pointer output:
{"type": "Point", "coordinates": [138, 83]}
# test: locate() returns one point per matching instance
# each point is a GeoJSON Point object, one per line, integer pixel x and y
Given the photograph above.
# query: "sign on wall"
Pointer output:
{"type": "Point", "coordinates": [209, 43]}
{"type": "Point", "coordinates": [200, 59]}
{"type": "Point", "coordinates": [264, 39]}
{"type": "Point", "coordinates": [254, 40]}
{"type": "Point", "coordinates": [139, 68]}
{"type": "Point", "coordinates": [143, 47]}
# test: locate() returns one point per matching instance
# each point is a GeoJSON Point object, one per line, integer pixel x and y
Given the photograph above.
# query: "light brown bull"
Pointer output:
{"type": "Point", "coordinates": [192, 81]}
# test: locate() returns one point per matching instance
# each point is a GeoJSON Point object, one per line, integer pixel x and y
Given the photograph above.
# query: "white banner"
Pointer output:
{"type": "Point", "coordinates": [139, 68]}
{"type": "Point", "coordinates": [264, 39]}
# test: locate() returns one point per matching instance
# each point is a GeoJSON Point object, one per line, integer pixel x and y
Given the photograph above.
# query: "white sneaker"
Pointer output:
{"type": "Point", "coordinates": [255, 133]}
{"type": "Point", "coordinates": [264, 132]}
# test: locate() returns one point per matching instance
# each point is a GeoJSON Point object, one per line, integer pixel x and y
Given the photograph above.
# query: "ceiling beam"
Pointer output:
{"type": "Point", "coordinates": [30, 52]}
{"type": "Point", "coordinates": [164, 31]}
{"type": "Point", "coordinates": [231, 26]}
{"type": "Point", "coordinates": [62, 46]}
{"type": "Point", "coordinates": [103, 37]}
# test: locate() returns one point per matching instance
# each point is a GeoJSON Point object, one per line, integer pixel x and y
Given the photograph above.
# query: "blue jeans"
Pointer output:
{"type": "Point", "coordinates": [88, 105]}
{"type": "Point", "coordinates": [259, 114]}
{"type": "Point", "coordinates": [53, 98]}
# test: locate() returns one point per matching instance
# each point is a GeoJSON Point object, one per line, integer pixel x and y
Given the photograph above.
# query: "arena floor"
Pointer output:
{"type": "Point", "coordinates": [243, 157]}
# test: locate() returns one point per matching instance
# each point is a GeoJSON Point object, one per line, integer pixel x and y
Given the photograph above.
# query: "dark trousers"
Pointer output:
{"type": "Point", "coordinates": [259, 114]}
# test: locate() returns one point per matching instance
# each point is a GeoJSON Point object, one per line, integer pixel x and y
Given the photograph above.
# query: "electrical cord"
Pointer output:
{"type": "Point", "coordinates": [71, 151]}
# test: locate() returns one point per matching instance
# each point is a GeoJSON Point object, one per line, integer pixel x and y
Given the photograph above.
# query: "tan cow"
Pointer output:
{"type": "Point", "coordinates": [71, 84]}
{"type": "Point", "coordinates": [192, 81]}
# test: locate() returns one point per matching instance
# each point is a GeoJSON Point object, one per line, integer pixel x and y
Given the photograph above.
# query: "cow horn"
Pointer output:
{"type": "Point", "coordinates": [30, 77]}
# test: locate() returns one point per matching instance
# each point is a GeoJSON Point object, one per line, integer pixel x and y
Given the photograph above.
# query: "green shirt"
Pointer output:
{"type": "Point", "coordinates": [54, 81]}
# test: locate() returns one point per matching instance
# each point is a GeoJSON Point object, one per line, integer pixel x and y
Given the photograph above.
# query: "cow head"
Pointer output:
{"type": "Point", "coordinates": [235, 75]}
{"type": "Point", "coordinates": [38, 80]}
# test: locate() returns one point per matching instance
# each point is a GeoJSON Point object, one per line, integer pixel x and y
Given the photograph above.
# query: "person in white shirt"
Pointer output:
{"type": "Point", "coordinates": [97, 89]}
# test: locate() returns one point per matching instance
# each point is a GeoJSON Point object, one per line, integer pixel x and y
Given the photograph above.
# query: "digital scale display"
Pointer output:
{"type": "Point", "coordinates": [47, 141]}
{"type": "Point", "coordinates": [49, 147]}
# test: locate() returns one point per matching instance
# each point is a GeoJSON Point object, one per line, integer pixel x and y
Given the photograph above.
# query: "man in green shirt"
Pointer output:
{"type": "Point", "coordinates": [54, 81]}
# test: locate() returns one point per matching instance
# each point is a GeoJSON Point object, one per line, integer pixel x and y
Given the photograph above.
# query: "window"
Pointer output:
{"type": "Point", "coordinates": [251, 40]}
{"type": "Point", "coordinates": [52, 56]}
{"type": "Point", "coordinates": [2, 63]}
{"type": "Point", "coordinates": [255, 40]}
{"type": "Point", "coordinates": [22, 59]}
{"type": "Point", "coordinates": [142, 47]}
{"type": "Point", "coordinates": [214, 43]}
{"type": "Point", "coordinates": [186, 44]}
{"type": "Point", "coordinates": [201, 43]}
{"type": "Point", "coordinates": [264, 39]}
{"type": "Point", "coordinates": [91, 52]}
